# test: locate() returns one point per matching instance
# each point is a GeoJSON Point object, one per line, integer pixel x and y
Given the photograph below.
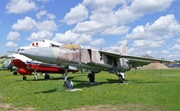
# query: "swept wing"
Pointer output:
{"type": "Point", "coordinates": [135, 61]}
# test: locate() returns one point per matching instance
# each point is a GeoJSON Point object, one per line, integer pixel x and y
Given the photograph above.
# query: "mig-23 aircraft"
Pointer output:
{"type": "Point", "coordinates": [90, 59]}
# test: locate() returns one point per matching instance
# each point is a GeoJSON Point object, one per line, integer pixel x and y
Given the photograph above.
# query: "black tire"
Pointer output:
{"type": "Point", "coordinates": [15, 73]}
{"type": "Point", "coordinates": [91, 77]}
{"type": "Point", "coordinates": [24, 78]}
{"type": "Point", "coordinates": [46, 77]}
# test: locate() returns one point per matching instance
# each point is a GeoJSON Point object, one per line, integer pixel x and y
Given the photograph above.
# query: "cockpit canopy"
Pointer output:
{"type": "Point", "coordinates": [72, 46]}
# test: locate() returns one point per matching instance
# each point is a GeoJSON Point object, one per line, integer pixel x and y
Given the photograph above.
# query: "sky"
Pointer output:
{"type": "Point", "coordinates": [150, 27]}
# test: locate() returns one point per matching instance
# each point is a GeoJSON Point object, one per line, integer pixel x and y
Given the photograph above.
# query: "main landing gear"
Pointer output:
{"type": "Point", "coordinates": [121, 77]}
{"type": "Point", "coordinates": [68, 84]}
{"type": "Point", "coordinates": [24, 77]}
{"type": "Point", "coordinates": [91, 77]}
{"type": "Point", "coordinates": [46, 76]}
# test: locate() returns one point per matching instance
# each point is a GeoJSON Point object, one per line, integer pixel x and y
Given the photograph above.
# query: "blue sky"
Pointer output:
{"type": "Point", "coordinates": [148, 26]}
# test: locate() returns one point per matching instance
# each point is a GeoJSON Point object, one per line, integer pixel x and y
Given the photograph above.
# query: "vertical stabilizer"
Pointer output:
{"type": "Point", "coordinates": [123, 49]}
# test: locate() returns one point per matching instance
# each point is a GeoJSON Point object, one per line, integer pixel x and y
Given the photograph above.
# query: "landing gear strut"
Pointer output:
{"type": "Point", "coordinates": [35, 76]}
{"type": "Point", "coordinates": [67, 84]}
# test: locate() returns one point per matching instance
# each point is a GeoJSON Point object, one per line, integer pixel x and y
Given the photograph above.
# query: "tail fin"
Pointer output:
{"type": "Point", "coordinates": [123, 49]}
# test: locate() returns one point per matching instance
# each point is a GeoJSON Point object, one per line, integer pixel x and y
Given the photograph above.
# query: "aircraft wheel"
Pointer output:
{"type": "Point", "coordinates": [46, 77]}
{"type": "Point", "coordinates": [91, 77]}
{"type": "Point", "coordinates": [24, 78]}
{"type": "Point", "coordinates": [120, 79]}
{"type": "Point", "coordinates": [15, 73]}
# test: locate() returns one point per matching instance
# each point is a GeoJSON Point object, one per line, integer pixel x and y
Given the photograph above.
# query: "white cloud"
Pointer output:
{"type": "Point", "coordinates": [139, 32]}
{"type": "Point", "coordinates": [103, 5]}
{"type": "Point", "coordinates": [124, 15]}
{"type": "Point", "coordinates": [51, 16]}
{"type": "Point", "coordinates": [165, 52]}
{"type": "Point", "coordinates": [84, 39]}
{"type": "Point", "coordinates": [116, 30]}
{"type": "Point", "coordinates": [11, 44]}
{"type": "Point", "coordinates": [26, 24]}
{"type": "Point", "coordinates": [107, 14]}
{"type": "Point", "coordinates": [41, 35]}
{"type": "Point", "coordinates": [20, 6]}
{"type": "Point", "coordinates": [176, 47]}
{"type": "Point", "coordinates": [40, 14]}
{"type": "Point", "coordinates": [147, 43]}
{"type": "Point", "coordinates": [98, 23]}
{"type": "Point", "coordinates": [90, 27]}
{"type": "Point", "coordinates": [150, 6]}
{"type": "Point", "coordinates": [97, 42]}
{"type": "Point", "coordinates": [13, 36]}
{"type": "Point", "coordinates": [138, 8]}
{"type": "Point", "coordinates": [81, 39]}
{"type": "Point", "coordinates": [164, 27]}
{"type": "Point", "coordinates": [68, 37]}
{"type": "Point", "coordinates": [77, 14]}
{"type": "Point", "coordinates": [48, 25]}
{"type": "Point", "coordinates": [102, 17]}
{"type": "Point", "coordinates": [148, 52]}
{"type": "Point", "coordinates": [44, 1]}
{"type": "Point", "coordinates": [178, 40]}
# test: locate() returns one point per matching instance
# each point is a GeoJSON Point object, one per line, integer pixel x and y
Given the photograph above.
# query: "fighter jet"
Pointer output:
{"type": "Point", "coordinates": [91, 59]}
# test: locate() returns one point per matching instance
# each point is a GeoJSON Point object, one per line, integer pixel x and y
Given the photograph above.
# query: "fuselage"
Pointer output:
{"type": "Point", "coordinates": [82, 58]}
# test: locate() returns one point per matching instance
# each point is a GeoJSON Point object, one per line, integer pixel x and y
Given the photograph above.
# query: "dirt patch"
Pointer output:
{"type": "Point", "coordinates": [154, 66]}
{"type": "Point", "coordinates": [7, 106]}
{"type": "Point", "coordinates": [1, 96]}
{"type": "Point", "coordinates": [4, 106]}
{"type": "Point", "coordinates": [122, 107]}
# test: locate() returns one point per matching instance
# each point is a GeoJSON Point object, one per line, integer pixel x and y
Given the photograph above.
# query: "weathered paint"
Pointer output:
{"type": "Point", "coordinates": [85, 56]}
{"type": "Point", "coordinates": [67, 55]}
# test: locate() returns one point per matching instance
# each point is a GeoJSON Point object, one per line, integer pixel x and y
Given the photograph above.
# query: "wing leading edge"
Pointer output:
{"type": "Point", "coordinates": [135, 61]}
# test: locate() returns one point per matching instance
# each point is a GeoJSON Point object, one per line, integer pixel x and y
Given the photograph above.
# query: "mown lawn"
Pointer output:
{"type": "Point", "coordinates": [150, 89]}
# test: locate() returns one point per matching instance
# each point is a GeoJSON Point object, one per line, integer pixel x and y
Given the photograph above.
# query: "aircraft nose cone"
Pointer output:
{"type": "Point", "coordinates": [44, 54]}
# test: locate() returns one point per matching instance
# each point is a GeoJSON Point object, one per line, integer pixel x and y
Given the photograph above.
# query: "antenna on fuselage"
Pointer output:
{"type": "Point", "coordinates": [101, 45]}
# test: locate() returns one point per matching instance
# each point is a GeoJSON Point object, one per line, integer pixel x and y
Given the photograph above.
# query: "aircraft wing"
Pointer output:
{"type": "Point", "coordinates": [144, 58]}
{"type": "Point", "coordinates": [135, 61]}
{"type": "Point", "coordinates": [7, 54]}
{"type": "Point", "coordinates": [3, 55]}
{"type": "Point", "coordinates": [116, 55]}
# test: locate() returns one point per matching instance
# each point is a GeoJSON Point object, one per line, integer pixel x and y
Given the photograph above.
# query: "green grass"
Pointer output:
{"type": "Point", "coordinates": [148, 88]}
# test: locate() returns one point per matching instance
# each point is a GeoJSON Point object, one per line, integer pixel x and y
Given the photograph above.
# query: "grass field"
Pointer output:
{"type": "Point", "coordinates": [144, 90]}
